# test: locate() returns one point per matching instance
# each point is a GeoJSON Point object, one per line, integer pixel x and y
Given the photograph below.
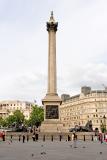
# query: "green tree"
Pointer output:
{"type": "Point", "coordinates": [3, 122]}
{"type": "Point", "coordinates": [37, 116]}
{"type": "Point", "coordinates": [11, 119]}
{"type": "Point", "coordinates": [103, 127]}
{"type": "Point", "coordinates": [19, 117]}
{"type": "Point", "coordinates": [27, 122]}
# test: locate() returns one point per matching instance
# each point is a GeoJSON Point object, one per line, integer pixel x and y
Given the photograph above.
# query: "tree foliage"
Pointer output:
{"type": "Point", "coordinates": [3, 122]}
{"type": "Point", "coordinates": [103, 127]}
{"type": "Point", "coordinates": [10, 120]}
{"type": "Point", "coordinates": [37, 116]}
{"type": "Point", "coordinates": [19, 117]}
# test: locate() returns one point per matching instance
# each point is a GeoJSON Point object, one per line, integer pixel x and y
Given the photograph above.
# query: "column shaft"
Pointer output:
{"type": "Point", "coordinates": [52, 63]}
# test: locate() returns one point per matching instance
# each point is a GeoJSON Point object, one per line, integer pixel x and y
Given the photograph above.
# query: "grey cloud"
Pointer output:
{"type": "Point", "coordinates": [93, 75]}
{"type": "Point", "coordinates": [81, 46]}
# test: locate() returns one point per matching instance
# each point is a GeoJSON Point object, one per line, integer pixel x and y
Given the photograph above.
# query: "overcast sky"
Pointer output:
{"type": "Point", "coordinates": [81, 46]}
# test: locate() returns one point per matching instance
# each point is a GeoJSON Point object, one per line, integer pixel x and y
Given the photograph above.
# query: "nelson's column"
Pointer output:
{"type": "Point", "coordinates": [51, 101]}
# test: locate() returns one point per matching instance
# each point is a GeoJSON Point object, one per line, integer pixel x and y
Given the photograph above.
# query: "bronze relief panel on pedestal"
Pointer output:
{"type": "Point", "coordinates": [52, 112]}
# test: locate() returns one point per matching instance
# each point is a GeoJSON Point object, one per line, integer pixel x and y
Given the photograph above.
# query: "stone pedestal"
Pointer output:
{"type": "Point", "coordinates": [51, 127]}
{"type": "Point", "coordinates": [51, 114]}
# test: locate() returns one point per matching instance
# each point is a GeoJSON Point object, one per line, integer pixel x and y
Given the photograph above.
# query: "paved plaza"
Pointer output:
{"type": "Point", "coordinates": [56, 150]}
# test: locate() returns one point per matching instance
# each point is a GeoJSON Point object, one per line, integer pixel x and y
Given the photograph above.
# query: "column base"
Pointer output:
{"type": "Point", "coordinates": [51, 127]}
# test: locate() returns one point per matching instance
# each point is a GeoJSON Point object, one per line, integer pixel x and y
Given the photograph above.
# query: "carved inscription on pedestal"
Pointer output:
{"type": "Point", "coordinates": [52, 112]}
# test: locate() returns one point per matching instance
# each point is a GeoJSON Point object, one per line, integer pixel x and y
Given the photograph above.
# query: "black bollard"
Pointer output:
{"type": "Point", "coordinates": [43, 137]}
{"type": "Point", "coordinates": [52, 138]}
{"type": "Point", "coordinates": [3, 136]}
{"type": "Point", "coordinates": [60, 137]}
{"type": "Point", "coordinates": [19, 138]}
{"type": "Point", "coordinates": [23, 138]}
{"type": "Point", "coordinates": [36, 137]}
{"type": "Point", "coordinates": [104, 137]}
{"type": "Point", "coordinates": [68, 138]}
{"type": "Point", "coordinates": [27, 137]}
{"type": "Point", "coordinates": [92, 138]}
{"type": "Point", "coordinates": [84, 137]}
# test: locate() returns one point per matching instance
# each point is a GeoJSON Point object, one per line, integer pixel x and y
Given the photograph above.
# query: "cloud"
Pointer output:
{"type": "Point", "coordinates": [24, 86]}
{"type": "Point", "coordinates": [93, 75]}
{"type": "Point", "coordinates": [81, 46]}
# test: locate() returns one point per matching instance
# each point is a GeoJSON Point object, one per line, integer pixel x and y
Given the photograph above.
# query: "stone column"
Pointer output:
{"type": "Point", "coordinates": [51, 101]}
{"type": "Point", "coordinates": [52, 28]}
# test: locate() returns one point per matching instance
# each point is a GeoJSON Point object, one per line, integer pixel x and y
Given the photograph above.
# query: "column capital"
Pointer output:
{"type": "Point", "coordinates": [51, 24]}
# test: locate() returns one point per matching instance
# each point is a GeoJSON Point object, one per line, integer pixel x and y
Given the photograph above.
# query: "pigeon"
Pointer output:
{"type": "Point", "coordinates": [43, 153]}
{"type": "Point", "coordinates": [83, 147]}
{"type": "Point", "coordinates": [32, 154]}
{"type": "Point", "coordinates": [71, 146]}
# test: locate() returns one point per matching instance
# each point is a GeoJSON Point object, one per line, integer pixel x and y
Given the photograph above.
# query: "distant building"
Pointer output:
{"type": "Point", "coordinates": [65, 97]}
{"type": "Point", "coordinates": [8, 107]}
{"type": "Point", "coordinates": [88, 105]}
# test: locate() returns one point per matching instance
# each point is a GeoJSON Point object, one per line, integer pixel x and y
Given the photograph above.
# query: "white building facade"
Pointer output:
{"type": "Point", "coordinates": [8, 107]}
{"type": "Point", "coordinates": [89, 105]}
